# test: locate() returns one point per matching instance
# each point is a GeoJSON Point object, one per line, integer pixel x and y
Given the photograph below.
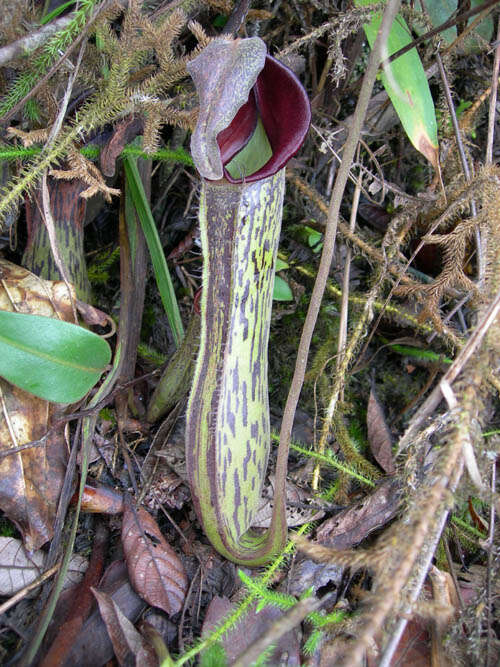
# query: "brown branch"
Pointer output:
{"type": "Point", "coordinates": [440, 28]}
{"type": "Point", "coordinates": [329, 241]}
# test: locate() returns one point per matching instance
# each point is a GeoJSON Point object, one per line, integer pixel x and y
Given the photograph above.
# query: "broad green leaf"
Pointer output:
{"type": "Point", "coordinates": [440, 11]}
{"type": "Point", "coordinates": [253, 156]}
{"type": "Point", "coordinates": [282, 291]}
{"type": "Point", "coordinates": [314, 239]}
{"type": "Point", "coordinates": [406, 84]}
{"type": "Point", "coordinates": [162, 275]}
{"type": "Point", "coordinates": [281, 265]}
{"type": "Point", "coordinates": [50, 358]}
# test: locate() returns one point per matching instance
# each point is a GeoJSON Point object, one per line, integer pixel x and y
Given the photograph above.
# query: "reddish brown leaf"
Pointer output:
{"type": "Point", "coordinates": [125, 131]}
{"type": "Point", "coordinates": [379, 436]}
{"type": "Point", "coordinates": [251, 627]}
{"type": "Point", "coordinates": [93, 646]}
{"type": "Point", "coordinates": [82, 604]}
{"type": "Point", "coordinates": [352, 525]}
{"type": "Point", "coordinates": [154, 568]}
{"type": "Point", "coordinates": [127, 642]}
{"type": "Point", "coordinates": [479, 522]}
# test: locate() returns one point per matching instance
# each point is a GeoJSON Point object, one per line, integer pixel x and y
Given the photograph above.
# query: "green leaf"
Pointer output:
{"type": "Point", "coordinates": [281, 265]}
{"type": "Point", "coordinates": [52, 359]}
{"type": "Point", "coordinates": [56, 12]}
{"type": "Point", "coordinates": [406, 84]}
{"type": "Point", "coordinates": [282, 291]}
{"type": "Point", "coordinates": [162, 275]}
{"type": "Point", "coordinates": [314, 239]}
{"type": "Point", "coordinates": [484, 30]}
{"type": "Point", "coordinates": [214, 656]}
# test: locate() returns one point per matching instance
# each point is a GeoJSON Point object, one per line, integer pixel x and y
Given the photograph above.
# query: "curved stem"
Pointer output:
{"type": "Point", "coordinates": [329, 241]}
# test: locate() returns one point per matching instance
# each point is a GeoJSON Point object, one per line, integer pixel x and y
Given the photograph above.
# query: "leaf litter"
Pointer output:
{"type": "Point", "coordinates": [31, 482]}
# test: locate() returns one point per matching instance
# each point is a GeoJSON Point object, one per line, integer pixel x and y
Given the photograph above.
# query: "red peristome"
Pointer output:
{"type": "Point", "coordinates": [284, 108]}
{"type": "Point", "coordinates": [237, 135]}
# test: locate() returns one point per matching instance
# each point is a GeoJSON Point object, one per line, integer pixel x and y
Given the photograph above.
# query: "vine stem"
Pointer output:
{"type": "Point", "coordinates": [350, 145]}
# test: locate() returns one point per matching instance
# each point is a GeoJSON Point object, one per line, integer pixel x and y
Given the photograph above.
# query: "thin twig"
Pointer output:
{"type": "Point", "coordinates": [491, 548]}
{"type": "Point", "coordinates": [434, 399]}
{"type": "Point", "coordinates": [43, 80]}
{"type": "Point", "coordinates": [329, 240]}
{"type": "Point", "coordinates": [481, 268]}
{"type": "Point", "coordinates": [419, 575]}
{"type": "Point", "coordinates": [344, 310]}
{"type": "Point", "coordinates": [33, 40]}
{"type": "Point", "coordinates": [493, 102]}
{"type": "Point", "coordinates": [17, 597]}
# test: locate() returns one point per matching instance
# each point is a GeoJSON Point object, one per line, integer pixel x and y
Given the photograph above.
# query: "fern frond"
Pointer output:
{"type": "Point", "coordinates": [234, 617]}
{"type": "Point", "coordinates": [83, 169]}
{"type": "Point", "coordinates": [266, 595]}
{"type": "Point", "coordinates": [49, 54]}
{"type": "Point", "coordinates": [198, 31]}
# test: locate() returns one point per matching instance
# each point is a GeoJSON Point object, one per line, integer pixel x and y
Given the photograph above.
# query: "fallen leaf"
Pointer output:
{"type": "Point", "coordinates": [18, 568]}
{"type": "Point", "coordinates": [93, 646]}
{"type": "Point", "coordinates": [306, 574]}
{"type": "Point", "coordinates": [251, 627]}
{"type": "Point", "coordinates": [298, 510]}
{"type": "Point", "coordinates": [126, 640]}
{"type": "Point", "coordinates": [352, 525]}
{"type": "Point", "coordinates": [166, 489]}
{"type": "Point", "coordinates": [155, 570]}
{"type": "Point", "coordinates": [82, 603]}
{"type": "Point", "coordinates": [379, 436]}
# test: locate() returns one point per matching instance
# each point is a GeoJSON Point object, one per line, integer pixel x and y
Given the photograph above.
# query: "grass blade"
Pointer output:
{"type": "Point", "coordinates": [162, 275]}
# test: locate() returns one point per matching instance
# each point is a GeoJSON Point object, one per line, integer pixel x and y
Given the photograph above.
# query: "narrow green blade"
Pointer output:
{"type": "Point", "coordinates": [406, 84]}
{"type": "Point", "coordinates": [162, 275]}
{"type": "Point", "coordinates": [52, 359]}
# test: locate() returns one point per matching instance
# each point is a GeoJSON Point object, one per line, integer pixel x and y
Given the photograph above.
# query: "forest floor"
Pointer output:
{"type": "Point", "coordinates": [384, 346]}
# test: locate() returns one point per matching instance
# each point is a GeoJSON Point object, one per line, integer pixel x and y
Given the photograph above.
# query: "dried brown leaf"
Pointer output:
{"type": "Point", "coordinates": [82, 603]}
{"type": "Point", "coordinates": [379, 436]}
{"type": "Point", "coordinates": [154, 568]}
{"type": "Point", "coordinates": [18, 568]}
{"type": "Point", "coordinates": [298, 506]}
{"type": "Point", "coordinates": [126, 640]}
{"type": "Point", "coordinates": [352, 525]}
{"type": "Point", "coordinates": [93, 646]}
